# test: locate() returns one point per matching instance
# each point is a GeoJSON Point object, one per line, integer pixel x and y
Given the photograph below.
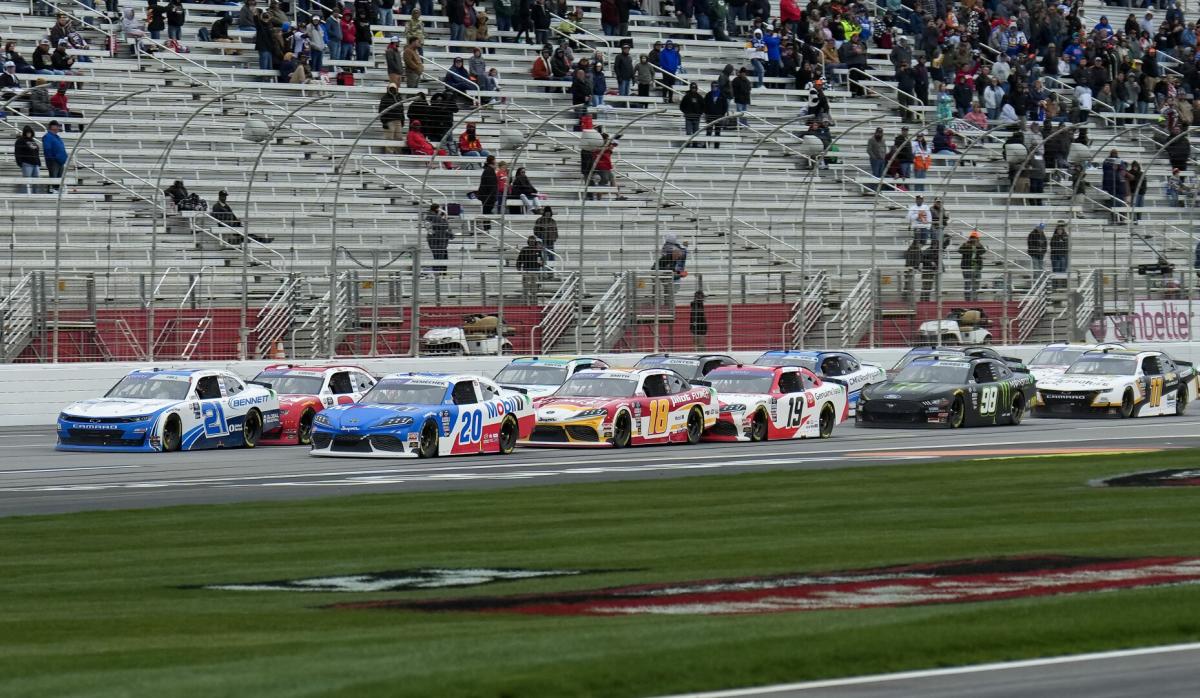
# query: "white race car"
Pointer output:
{"type": "Point", "coordinates": [1118, 382]}
{"type": "Point", "coordinates": [169, 410]}
{"type": "Point", "coordinates": [775, 402]}
{"type": "Point", "coordinates": [832, 367]}
{"type": "Point", "coordinates": [540, 376]}
{"type": "Point", "coordinates": [1054, 359]}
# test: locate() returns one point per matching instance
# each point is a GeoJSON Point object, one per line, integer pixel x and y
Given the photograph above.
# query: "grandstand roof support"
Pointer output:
{"type": "Point", "coordinates": [1005, 330]}
{"type": "Point", "coordinates": [158, 191]}
{"type": "Point", "coordinates": [58, 205]}
{"type": "Point", "coordinates": [658, 209]}
{"type": "Point", "coordinates": [587, 182]}
{"type": "Point", "coordinates": [243, 329]}
{"type": "Point", "coordinates": [925, 128]}
{"type": "Point", "coordinates": [516, 157]}
{"type": "Point", "coordinates": [737, 184]}
{"type": "Point", "coordinates": [331, 338]}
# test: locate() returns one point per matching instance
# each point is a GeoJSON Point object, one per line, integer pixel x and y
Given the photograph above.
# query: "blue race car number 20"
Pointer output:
{"type": "Point", "coordinates": [472, 427]}
{"type": "Point", "coordinates": [214, 420]}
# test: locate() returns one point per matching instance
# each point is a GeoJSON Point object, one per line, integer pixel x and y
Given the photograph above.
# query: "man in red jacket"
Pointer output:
{"type": "Point", "coordinates": [417, 143]}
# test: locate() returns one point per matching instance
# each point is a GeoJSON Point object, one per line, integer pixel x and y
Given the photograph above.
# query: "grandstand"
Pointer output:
{"type": "Point", "coordinates": [800, 255]}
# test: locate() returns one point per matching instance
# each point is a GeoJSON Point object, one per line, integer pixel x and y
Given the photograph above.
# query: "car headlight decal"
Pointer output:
{"type": "Point", "coordinates": [322, 420]}
{"type": "Point", "coordinates": [395, 422]}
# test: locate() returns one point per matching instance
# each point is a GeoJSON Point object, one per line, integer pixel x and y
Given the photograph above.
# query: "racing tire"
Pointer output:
{"type": "Point", "coordinates": [252, 428]}
{"type": "Point", "coordinates": [1126, 405]}
{"type": "Point", "coordinates": [172, 434]}
{"type": "Point", "coordinates": [958, 413]}
{"type": "Point", "coordinates": [508, 436]}
{"type": "Point", "coordinates": [304, 428]}
{"type": "Point", "coordinates": [826, 421]}
{"type": "Point", "coordinates": [1017, 410]}
{"type": "Point", "coordinates": [695, 426]}
{"type": "Point", "coordinates": [427, 446]}
{"type": "Point", "coordinates": [1181, 401]}
{"type": "Point", "coordinates": [758, 428]}
{"type": "Point", "coordinates": [622, 431]}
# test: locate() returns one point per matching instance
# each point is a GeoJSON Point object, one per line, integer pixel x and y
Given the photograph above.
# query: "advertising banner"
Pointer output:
{"type": "Point", "coordinates": [1151, 321]}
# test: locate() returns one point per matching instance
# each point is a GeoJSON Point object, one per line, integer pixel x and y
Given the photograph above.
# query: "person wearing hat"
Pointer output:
{"type": "Point", "coordinates": [438, 236]}
{"type": "Point", "coordinates": [10, 84]}
{"type": "Point", "coordinates": [42, 60]}
{"type": "Point", "coordinates": [692, 106]}
{"type": "Point", "coordinates": [698, 323]}
{"type": "Point", "coordinates": [1035, 245]}
{"type": "Point", "coordinates": [394, 59]}
{"type": "Point", "coordinates": [56, 152]}
{"type": "Point", "coordinates": [416, 141]}
{"type": "Point", "coordinates": [314, 33]}
{"type": "Point", "coordinates": [972, 252]}
{"type": "Point", "coordinates": [669, 61]}
{"type": "Point", "coordinates": [530, 265]}
{"type": "Point", "coordinates": [920, 219]}
{"type": "Point", "coordinates": [391, 117]}
{"type": "Point", "coordinates": [756, 53]}
{"type": "Point", "coordinates": [469, 143]}
{"type": "Point", "coordinates": [61, 61]}
{"type": "Point", "coordinates": [223, 213]}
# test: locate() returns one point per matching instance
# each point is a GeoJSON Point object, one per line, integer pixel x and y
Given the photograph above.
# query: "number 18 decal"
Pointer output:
{"type": "Point", "coordinates": [659, 411]}
{"type": "Point", "coordinates": [472, 427]}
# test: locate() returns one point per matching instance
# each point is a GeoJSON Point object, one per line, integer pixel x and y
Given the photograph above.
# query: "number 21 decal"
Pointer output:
{"type": "Point", "coordinates": [214, 420]}
{"type": "Point", "coordinates": [472, 427]}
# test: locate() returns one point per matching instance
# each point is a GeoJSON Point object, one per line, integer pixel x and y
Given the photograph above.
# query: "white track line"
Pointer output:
{"type": "Point", "coordinates": [935, 673]}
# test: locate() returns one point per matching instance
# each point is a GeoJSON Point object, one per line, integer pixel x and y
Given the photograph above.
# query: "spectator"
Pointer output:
{"type": "Point", "coordinates": [223, 213]}
{"type": "Point", "coordinates": [922, 159]}
{"type": "Point", "coordinates": [156, 19]}
{"type": "Point", "coordinates": [673, 258]}
{"type": "Point", "coordinates": [920, 219]}
{"type": "Point", "coordinates": [623, 70]}
{"type": "Point", "coordinates": [135, 30]}
{"type": "Point", "coordinates": [489, 187]}
{"type": "Point", "coordinates": [264, 43]}
{"type": "Point", "coordinates": [1035, 245]}
{"type": "Point", "coordinates": [60, 107]}
{"type": "Point", "coordinates": [545, 228]}
{"type": "Point", "coordinates": [333, 35]}
{"type": "Point", "coordinates": [414, 64]}
{"type": "Point", "coordinates": [477, 67]}
{"type": "Point", "coordinates": [669, 61]}
{"type": "Point", "coordinates": [1179, 150]}
{"type": "Point", "coordinates": [9, 83]}
{"type": "Point", "coordinates": [523, 21]}
{"type": "Point", "coordinates": [504, 13]}
{"type": "Point", "coordinates": [349, 35]}
{"type": "Point", "coordinates": [854, 55]}
{"type": "Point", "coordinates": [1177, 188]}
{"type": "Point", "coordinates": [456, 16]}
{"type": "Point", "coordinates": [275, 15]}
{"type": "Point", "coordinates": [524, 191]}
{"type": "Point", "coordinates": [1113, 182]}
{"type": "Point", "coordinates": [394, 60]}
{"type": "Point", "coordinates": [1136, 186]}
{"type": "Point", "coordinates": [43, 62]}
{"type": "Point", "coordinates": [756, 53]}
{"type": "Point", "coordinates": [1059, 249]}
{"type": "Point", "coordinates": [644, 76]}
{"type": "Point", "coordinates": [912, 262]}
{"type": "Point", "coordinates": [246, 15]}
{"type": "Point", "coordinates": [972, 252]}
{"type": "Point", "coordinates": [61, 61]}
{"type": "Point", "coordinates": [414, 28]}
{"type": "Point", "coordinates": [529, 264]}
{"type": "Point", "coordinates": [315, 39]}
{"type": "Point", "coordinates": [39, 99]}
{"type": "Point", "coordinates": [698, 321]}
{"type": "Point", "coordinates": [541, 67]}
{"type": "Point", "coordinates": [469, 143]}
{"type": "Point", "coordinates": [457, 78]}
{"type": "Point", "coordinates": [540, 17]}
{"type": "Point", "coordinates": [692, 106]}
{"type": "Point", "coordinates": [902, 151]}
{"type": "Point", "coordinates": [386, 14]}
{"type": "Point", "coordinates": [599, 84]}
{"type": "Point", "coordinates": [877, 153]}
{"type": "Point", "coordinates": [581, 92]}
{"type": "Point", "coordinates": [501, 185]}
{"type": "Point", "coordinates": [416, 141]}
{"type": "Point", "coordinates": [176, 16]}
{"type": "Point", "coordinates": [177, 192]}
{"type": "Point", "coordinates": [930, 266]}
{"type": "Point", "coordinates": [716, 107]}
{"type": "Point", "coordinates": [604, 167]}
{"type": "Point", "coordinates": [56, 154]}
{"type": "Point", "coordinates": [938, 219]}
{"type": "Point", "coordinates": [362, 36]}
{"type": "Point", "coordinates": [438, 236]}
{"type": "Point", "coordinates": [741, 87]}
{"type": "Point", "coordinates": [391, 117]}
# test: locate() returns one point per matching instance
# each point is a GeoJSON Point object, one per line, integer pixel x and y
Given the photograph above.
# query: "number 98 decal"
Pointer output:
{"type": "Point", "coordinates": [987, 400]}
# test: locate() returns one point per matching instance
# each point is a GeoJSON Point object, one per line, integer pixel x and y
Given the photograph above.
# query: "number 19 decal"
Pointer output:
{"type": "Point", "coordinates": [659, 411]}
{"type": "Point", "coordinates": [795, 411]}
{"type": "Point", "coordinates": [472, 427]}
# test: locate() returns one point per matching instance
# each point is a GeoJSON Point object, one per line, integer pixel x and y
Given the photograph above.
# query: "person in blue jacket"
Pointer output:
{"type": "Point", "coordinates": [774, 54]}
{"type": "Point", "coordinates": [56, 152]}
{"type": "Point", "coordinates": [670, 62]}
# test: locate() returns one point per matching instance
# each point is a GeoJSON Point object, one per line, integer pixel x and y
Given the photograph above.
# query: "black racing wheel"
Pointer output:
{"type": "Point", "coordinates": [252, 428]}
{"type": "Point", "coordinates": [1181, 401]}
{"type": "Point", "coordinates": [827, 420]}
{"type": "Point", "coordinates": [758, 427]}
{"type": "Point", "coordinates": [508, 435]}
{"type": "Point", "coordinates": [622, 431]}
{"type": "Point", "coordinates": [427, 447]}
{"type": "Point", "coordinates": [695, 425]}
{"type": "Point", "coordinates": [958, 412]}
{"type": "Point", "coordinates": [1127, 404]}
{"type": "Point", "coordinates": [304, 428]}
{"type": "Point", "coordinates": [172, 434]}
{"type": "Point", "coordinates": [1017, 410]}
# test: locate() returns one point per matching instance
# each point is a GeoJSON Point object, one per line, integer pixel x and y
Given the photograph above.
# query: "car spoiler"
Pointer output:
{"type": "Point", "coordinates": [1015, 364]}
{"type": "Point", "coordinates": [264, 384]}
{"type": "Point", "coordinates": [515, 389]}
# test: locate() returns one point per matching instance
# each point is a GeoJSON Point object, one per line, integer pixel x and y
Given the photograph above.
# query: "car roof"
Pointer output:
{"type": "Point", "coordinates": [798, 352]}
{"type": "Point", "coordinates": [687, 357]}
{"type": "Point", "coordinates": [187, 372]}
{"type": "Point", "coordinates": [314, 369]}
{"type": "Point", "coordinates": [1131, 353]}
{"type": "Point", "coordinates": [431, 377]}
{"type": "Point", "coordinates": [753, 369]}
{"type": "Point", "coordinates": [623, 373]}
{"type": "Point", "coordinates": [551, 360]}
{"type": "Point", "coordinates": [957, 358]}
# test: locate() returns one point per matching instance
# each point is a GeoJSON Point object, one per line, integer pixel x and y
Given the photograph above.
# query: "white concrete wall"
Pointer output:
{"type": "Point", "coordinates": [34, 394]}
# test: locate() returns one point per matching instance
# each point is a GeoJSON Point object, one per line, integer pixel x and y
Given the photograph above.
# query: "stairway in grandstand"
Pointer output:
{"type": "Point", "coordinates": [115, 238]}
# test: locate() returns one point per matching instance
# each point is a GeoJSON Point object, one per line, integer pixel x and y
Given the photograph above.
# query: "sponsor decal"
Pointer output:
{"type": "Point", "coordinates": [1152, 321]}
{"type": "Point", "coordinates": [1173, 477]}
{"type": "Point", "coordinates": [958, 581]}
{"type": "Point", "coordinates": [397, 580]}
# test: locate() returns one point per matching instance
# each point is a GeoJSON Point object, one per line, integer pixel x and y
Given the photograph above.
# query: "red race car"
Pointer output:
{"type": "Point", "coordinates": [306, 390]}
{"type": "Point", "coordinates": [617, 408]}
{"type": "Point", "coordinates": [774, 402]}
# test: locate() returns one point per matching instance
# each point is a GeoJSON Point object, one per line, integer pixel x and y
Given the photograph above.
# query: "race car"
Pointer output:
{"type": "Point", "coordinates": [422, 415]}
{"type": "Point", "coordinates": [964, 353]}
{"type": "Point", "coordinates": [617, 408]}
{"type": "Point", "coordinates": [539, 376]}
{"type": "Point", "coordinates": [832, 367]}
{"type": "Point", "coordinates": [774, 402]}
{"type": "Point", "coordinates": [154, 409]}
{"type": "Point", "coordinates": [948, 390]}
{"type": "Point", "coordinates": [306, 390]}
{"type": "Point", "coordinates": [693, 367]}
{"type": "Point", "coordinates": [1119, 383]}
{"type": "Point", "coordinates": [1054, 359]}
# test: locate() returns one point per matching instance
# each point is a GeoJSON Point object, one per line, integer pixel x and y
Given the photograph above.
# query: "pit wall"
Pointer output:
{"type": "Point", "coordinates": [34, 394]}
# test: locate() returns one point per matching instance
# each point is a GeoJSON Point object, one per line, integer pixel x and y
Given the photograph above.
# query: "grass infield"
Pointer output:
{"type": "Point", "coordinates": [92, 604]}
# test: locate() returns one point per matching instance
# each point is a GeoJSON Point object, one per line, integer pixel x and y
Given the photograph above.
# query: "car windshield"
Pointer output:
{"type": "Point", "coordinates": [405, 393]}
{"type": "Point", "coordinates": [688, 368]}
{"type": "Point", "coordinates": [532, 375]}
{"type": "Point", "coordinates": [291, 383]}
{"type": "Point", "coordinates": [742, 381]}
{"type": "Point", "coordinates": [592, 386]}
{"type": "Point", "coordinates": [1056, 357]}
{"type": "Point", "coordinates": [1104, 365]}
{"type": "Point", "coordinates": [909, 357]}
{"type": "Point", "coordinates": [954, 372]}
{"type": "Point", "coordinates": [809, 362]}
{"type": "Point", "coordinates": [151, 387]}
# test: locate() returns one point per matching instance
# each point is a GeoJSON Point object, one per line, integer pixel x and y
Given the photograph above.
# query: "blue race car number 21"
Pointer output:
{"type": "Point", "coordinates": [472, 427]}
{"type": "Point", "coordinates": [214, 420]}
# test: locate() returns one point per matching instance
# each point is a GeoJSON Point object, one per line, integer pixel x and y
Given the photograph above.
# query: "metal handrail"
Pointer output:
{"type": "Point", "coordinates": [571, 37]}
{"type": "Point", "coordinates": [94, 27]}
{"type": "Point", "coordinates": [807, 310]}
{"type": "Point", "coordinates": [251, 242]}
{"type": "Point", "coordinates": [559, 311]}
{"type": "Point", "coordinates": [859, 303]}
{"type": "Point", "coordinates": [16, 317]}
{"type": "Point", "coordinates": [1032, 307]}
{"type": "Point", "coordinates": [276, 316]}
{"type": "Point", "coordinates": [612, 305]}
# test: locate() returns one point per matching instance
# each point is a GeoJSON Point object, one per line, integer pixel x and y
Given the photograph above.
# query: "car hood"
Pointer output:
{"type": "Point", "coordinates": [741, 398]}
{"type": "Point", "coordinates": [117, 407]}
{"type": "Point", "coordinates": [1047, 372]}
{"type": "Point", "coordinates": [533, 391]}
{"type": "Point", "coordinates": [565, 407]}
{"type": "Point", "coordinates": [1077, 382]}
{"type": "Point", "coordinates": [359, 416]}
{"type": "Point", "coordinates": [909, 391]}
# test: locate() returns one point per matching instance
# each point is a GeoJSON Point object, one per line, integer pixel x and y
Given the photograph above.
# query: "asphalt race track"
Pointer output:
{"type": "Point", "coordinates": [1162, 672]}
{"type": "Point", "coordinates": [36, 479]}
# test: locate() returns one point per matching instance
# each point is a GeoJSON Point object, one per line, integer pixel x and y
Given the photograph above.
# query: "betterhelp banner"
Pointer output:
{"type": "Point", "coordinates": [1151, 321]}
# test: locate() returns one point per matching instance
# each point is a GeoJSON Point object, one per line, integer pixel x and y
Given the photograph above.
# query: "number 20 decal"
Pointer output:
{"type": "Point", "coordinates": [472, 427]}
{"type": "Point", "coordinates": [987, 400]}
{"type": "Point", "coordinates": [214, 420]}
